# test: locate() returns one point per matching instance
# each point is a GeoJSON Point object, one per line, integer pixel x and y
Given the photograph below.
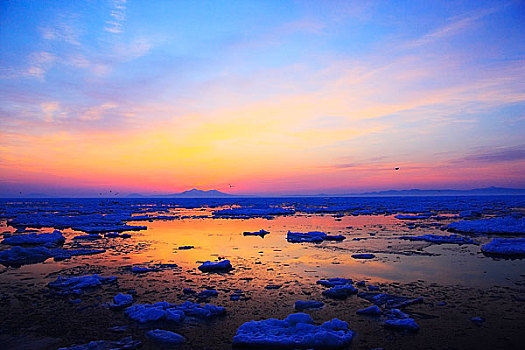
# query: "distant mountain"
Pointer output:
{"type": "Point", "coordinates": [194, 193]}
{"type": "Point", "coordinates": [447, 192]}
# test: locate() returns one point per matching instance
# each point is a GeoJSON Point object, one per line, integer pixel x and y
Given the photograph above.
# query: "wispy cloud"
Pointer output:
{"type": "Point", "coordinates": [65, 28]}
{"type": "Point", "coordinates": [118, 16]}
{"type": "Point", "coordinates": [39, 63]}
{"type": "Point", "coordinates": [505, 154]}
{"type": "Point", "coordinates": [456, 25]}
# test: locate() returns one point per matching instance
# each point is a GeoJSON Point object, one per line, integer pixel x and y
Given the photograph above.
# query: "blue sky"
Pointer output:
{"type": "Point", "coordinates": [276, 96]}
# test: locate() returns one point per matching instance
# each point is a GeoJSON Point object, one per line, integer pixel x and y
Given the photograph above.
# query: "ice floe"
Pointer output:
{"type": "Point", "coordinates": [388, 300]}
{"type": "Point", "coordinates": [503, 225]}
{"type": "Point", "coordinates": [79, 282]}
{"type": "Point", "coordinates": [220, 266]}
{"type": "Point", "coordinates": [402, 324]}
{"type": "Point", "coordinates": [303, 305]}
{"type": "Point", "coordinates": [261, 233]}
{"type": "Point", "coordinates": [412, 217]}
{"type": "Point", "coordinates": [505, 247]}
{"type": "Point", "coordinates": [297, 331]}
{"type": "Point", "coordinates": [166, 337]}
{"type": "Point", "coordinates": [55, 238]}
{"type": "Point", "coordinates": [88, 237]}
{"type": "Point", "coordinates": [340, 291]}
{"type": "Point", "coordinates": [373, 310]}
{"type": "Point", "coordinates": [121, 300]}
{"type": "Point", "coordinates": [18, 256]}
{"type": "Point", "coordinates": [454, 239]}
{"type": "Point", "coordinates": [207, 293]}
{"type": "Point", "coordinates": [332, 282]}
{"type": "Point", "coordinates": [312, 236]}
{"type": "Point", "coordinates": [144, 313]}
{"type": "Point", "coordinates": [363, 256]}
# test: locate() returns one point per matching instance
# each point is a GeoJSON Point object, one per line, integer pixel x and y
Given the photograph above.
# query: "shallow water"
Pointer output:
{"type": "Point", "coordinates": [471, 283]}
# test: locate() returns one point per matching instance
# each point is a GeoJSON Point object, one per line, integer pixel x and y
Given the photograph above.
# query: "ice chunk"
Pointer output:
{"type": "Point", "coordinates": [117, 235]}
{"type": "Point", "coordinates": [207, 293]}
{"type": "Point", "coordinates": [331, 282]}
{"type": "Point", "coordinates": [334, 238]}
{"type": "Point", "coordinates": [220, 266]}
{"type": "Point", "coordinates": [62, 254]}
{"type": "Point", "coordinates": [121, 300]}
{"type": "Point", "coordinates": [303, 305]}
{"type": "Point", "coordinates": [79, 282]}
{"type": "Point", "coordinates": [371, 287]}
{"type": "Point", "coordinates": [455, 239]}
{"type": "Point", "coordinates": [505, 246]}
{"type": "Point", "coordinates": [297, 331]}
{"type": "Point", "coordinates": [402, 324]}
{"type": "Point", "coordinates": [204, 311]}
{"type": "Point", "coordinates": [166, 337]}
{"type": "Point", "coordinates": [396, 313]}
{"type": "Point", "coordinates": [273, 286]}
{"type": "Point", "coordinates": [373, 310]}
{"type": "Point", "coordinates": [261, 233]}
{"type": "Point", "coordinates": [88, 237]}
{"type": "Point", "coordinates": [18, 256]}
{"type": "Point", "coordinates": [363, 256]}
{"type": "Point", "coordinates": [55, 238]}
{"type": "Point", "coordinates": [145, 313]}
{"type": "Point", "coordinates": [299, 237]}
{"type": "Point", "coordinates": [505, 225]}
{"type": "Point", "coordinates": [340, 291]}
{"type": "Point", "coordinates": [388, 300]}
{"type": "Point", "coordinates": [412, 217]}
{"type": "Point", "coordinates": [141, 269]}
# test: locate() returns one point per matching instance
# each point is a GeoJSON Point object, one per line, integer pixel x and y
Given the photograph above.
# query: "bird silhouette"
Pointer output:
{"type": "Point", "coordinates": [396, 168]}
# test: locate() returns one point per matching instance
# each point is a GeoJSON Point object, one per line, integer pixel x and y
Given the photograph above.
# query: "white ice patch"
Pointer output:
{"type": "Point", "coordinates": [297, 331]}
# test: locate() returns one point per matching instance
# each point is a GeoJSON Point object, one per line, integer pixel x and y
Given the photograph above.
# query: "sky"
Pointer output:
{"type": "Point", "coordinates": [260, 97]}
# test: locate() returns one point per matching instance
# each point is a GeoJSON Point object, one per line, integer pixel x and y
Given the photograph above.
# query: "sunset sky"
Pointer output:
{"type": "Point", "coordinates": [273, 97]}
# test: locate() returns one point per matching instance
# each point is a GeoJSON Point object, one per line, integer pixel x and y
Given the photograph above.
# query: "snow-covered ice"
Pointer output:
{"type": "Point", "coordinates": [300, 237]}
{"type": "Point", "coordinates": [18, 256]}
{"type": "Point", "coordinates": [297, 331]}
{"type": "Point", "coordinates": [505, 246]}
{"type": "Point", "coordinates": [88, 237]}
{"type": "Point", "coordinates": [144, 313]}
{"type": "Point", "coordinates": [121, 300]}
{"type": "Point", "coordinates": [503, 225]}
{"type": "Point", "coordinates": [54, 238]}
{"type": "Point", "coordinates": [79, 282]}
{"type": "Point", "coordinates": [166, 337]}
{"type": "Point", "coordinates": [311, 304]}
{"type": "Point", "coordinates": [388, 300]}
{"type": "Point", "coordinates": [340, 291]}
{"type": "Point", "coordinates": [402, 324]}
{"type": "Point", "coordinates": [455, 239]}
{"type": "Point", "coordinates": [332, 282]}
{"type": "Point", "coordinates": [373, 310]}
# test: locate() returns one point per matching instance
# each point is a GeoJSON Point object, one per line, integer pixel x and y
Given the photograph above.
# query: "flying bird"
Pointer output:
{"type": "Point", "coordinates": [231, 185]}
{"type": "Point", "coordinates": [397, 168]}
